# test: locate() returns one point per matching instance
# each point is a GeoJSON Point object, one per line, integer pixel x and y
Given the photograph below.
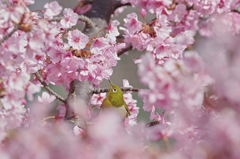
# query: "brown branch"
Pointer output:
{"type": "Point", "coordinates": [45, 85]}
{"type": "Point", "coordinates": [236, 10]}
{"type": "Point", "coordinates": [84, 2]}
{"type": "Point", "coordinates": [89, 23]}
{"type": "Point", "coordinates": [9, 34]}
{"type": "Point", "coordinates": [119, 4]}
{"type": "Point", "coordinates": [153, 123]}
{"type": "Point", "coordinates": [127, 48]}
{"type": "Point", "coordinates": [103, 90]}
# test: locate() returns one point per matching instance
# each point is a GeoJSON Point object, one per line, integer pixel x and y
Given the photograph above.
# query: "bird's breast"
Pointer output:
{"type": "Point", "coordinates": [122, 111]}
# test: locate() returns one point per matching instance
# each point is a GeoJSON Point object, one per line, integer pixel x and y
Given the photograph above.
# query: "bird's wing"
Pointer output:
{"type": "Point", "coordinates": [127, 109]}
{"type": "Point", "coordinates": [106, 103]}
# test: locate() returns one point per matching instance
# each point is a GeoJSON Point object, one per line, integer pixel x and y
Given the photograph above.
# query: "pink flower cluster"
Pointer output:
{"type": "Point", "coordinates": [94, 65]}
{"type": "Point", "coordinates": [176, 83]}
{"type": "Point", "coordinates": [43, 43]}
{"type": "Point", "coordinates": [94, 142]}
{"type": "Point", "coordinates": [175, 25]}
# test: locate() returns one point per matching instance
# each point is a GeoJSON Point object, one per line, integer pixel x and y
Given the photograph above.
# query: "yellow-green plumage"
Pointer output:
{"type": "Point", "coordinates": [115, 99]}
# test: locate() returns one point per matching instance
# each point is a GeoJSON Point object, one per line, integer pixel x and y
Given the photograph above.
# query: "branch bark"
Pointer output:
{"type": "Point", "coordinates": [121, 52]}
{"type": "Point", "coordinates": [9, 34]}
{"type": "Point", "coordinates": [89, 23]}
{"type": "Point", "coordinates": [103, 90]}
{"type": "Point", "coordinates": [153, 123]}
{"type": "Point", "coordinates": [45, 85]}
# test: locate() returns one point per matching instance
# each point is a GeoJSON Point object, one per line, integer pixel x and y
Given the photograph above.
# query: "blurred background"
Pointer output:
{"type": "Point", "coordinates": [125, 69]}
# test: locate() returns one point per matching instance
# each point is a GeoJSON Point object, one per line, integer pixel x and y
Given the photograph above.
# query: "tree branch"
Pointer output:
{"type": "Point", "coordinates": [127, 48]}
{"type": "Point", "coordinates": [236, 11]}
{"type": "Point", "coordinates": [119, 4]}
{"type": "Point", "coordinates": [103, 90]}
{"type": "Point", "coordinates": [40, 79]}
{"type": "Point", "coordinates": [89, 23]}
{"type": "Point", "coordinates": [16, 27]}
{"type": "Point", "coordinates": [153, 123]}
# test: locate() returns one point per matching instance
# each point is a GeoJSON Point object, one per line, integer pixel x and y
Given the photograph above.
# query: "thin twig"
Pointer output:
{"type": "Point", "coordinates": [39, 77]}
{"type": "Point", "coordinates": [153, 123]}
{"type": "Point", "coordinates": [236, 10]}
{"type": "Point", "coordinates": [89, 23]}
{"type": "Point", "coordinates": [103, 90]}
{"type": "Point", "coordinates": [9, 34]}
{"type": "Point", "coordinates": [119, 4]}
{"type": "Point", "coordinates": [121, 52]}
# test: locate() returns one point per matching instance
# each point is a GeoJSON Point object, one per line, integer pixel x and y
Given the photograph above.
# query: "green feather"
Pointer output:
{"type": "Point", "coordinates": [115, 99]}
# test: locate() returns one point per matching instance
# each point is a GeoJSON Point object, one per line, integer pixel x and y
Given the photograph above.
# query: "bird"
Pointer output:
{"type": "Point", "coordinates": [114, 99]}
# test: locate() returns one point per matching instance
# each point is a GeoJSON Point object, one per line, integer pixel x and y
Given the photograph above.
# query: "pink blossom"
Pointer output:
{"type": "Point", "coordinates": [77, 39]}
{"type": "Point", "coordinates": [32, 88]}
{"type": "Point", "coordinates": [46, 98]}
{"type": "Point", "coordinates": [52, 9]}
{"type": "Point", "coordinates": [99, 44]}
{"type": "Point", "coordinates": [14, 13]}
{"type": "Point", "coordinates": [70, 18]}
{"type": "Point", "coordinates": [132, 105]}
{"type": "Point", "coordinates": [168, 85]}
{"type": "Point", "coordinates": [97, 99]}
{"type": "Point", "coordinates": [113, 31]}
{"type": "Point", "coordinates": [143, 13]}
{"type": "Point", "coordinates": [36, 42]}
{"type": "Point", "coordinates": [159, 132]}
{"type": "Point", "coordinates": [4, 17]}
{"type": "Point", "coordinates": [78, 131]}
{"type": "Point", "coordinates": [56, 55]}
{"type": "Point", "coordinates": [132, 23]}
{"type": "Point", "coordinates": [18, 80]}
{"type": "Point", "coordinates": [178, 13]}
{"type": "Point", "coordinates": [61, 111]}
{"type": "Point", "coordinates": [27, 2]}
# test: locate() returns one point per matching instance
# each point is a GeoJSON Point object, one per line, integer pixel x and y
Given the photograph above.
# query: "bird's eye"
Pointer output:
{"type": "Point", "coordinates": [114, 90]}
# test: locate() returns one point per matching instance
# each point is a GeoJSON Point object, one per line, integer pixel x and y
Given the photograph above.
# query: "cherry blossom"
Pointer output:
{"type": "Point", "coordinates": [70, 18]}
{"type": "Point", "coordinates": [46, 98]}
{"type": "Point", "coordinates": [52, 9]}
{"type": "Point", "coordinates": [132, 23]}
{"type": "Point", "coordinates": [77, 40]}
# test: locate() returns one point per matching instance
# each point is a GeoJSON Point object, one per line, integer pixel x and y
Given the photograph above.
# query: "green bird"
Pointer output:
{"type": "Point", "coordinates": [115, 99]}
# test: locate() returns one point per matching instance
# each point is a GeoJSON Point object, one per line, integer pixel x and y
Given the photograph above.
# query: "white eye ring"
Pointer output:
{"type": "Point", "coordinates": [114, 90]}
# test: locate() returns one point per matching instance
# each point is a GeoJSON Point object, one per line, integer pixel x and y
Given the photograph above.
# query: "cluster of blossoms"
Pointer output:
{"type": "Point", "coordinates": [38, 43]}
{"type": "Point", "coordinates": [193, 82]}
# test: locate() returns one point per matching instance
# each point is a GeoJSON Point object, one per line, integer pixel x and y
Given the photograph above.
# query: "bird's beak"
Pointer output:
{"type": "Point", "coordinates": [110, 82]}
